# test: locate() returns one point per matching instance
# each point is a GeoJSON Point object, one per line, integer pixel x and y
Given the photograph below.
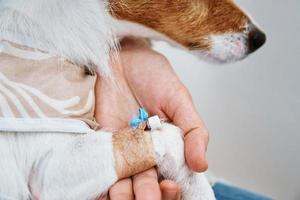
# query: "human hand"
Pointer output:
{"type": "Point", "coordinates": [144, 78]}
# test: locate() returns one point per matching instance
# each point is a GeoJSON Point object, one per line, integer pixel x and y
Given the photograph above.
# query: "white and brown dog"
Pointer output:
{"type": "Point", "coordinates": [45, 97]}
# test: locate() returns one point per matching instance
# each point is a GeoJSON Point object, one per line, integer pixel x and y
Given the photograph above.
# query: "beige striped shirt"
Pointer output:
{"type": "Point", "coordinates": [44, 93]}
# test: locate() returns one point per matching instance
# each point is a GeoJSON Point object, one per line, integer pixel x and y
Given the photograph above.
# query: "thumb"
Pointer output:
{"type": "Point", "coordinates": [182, 112]}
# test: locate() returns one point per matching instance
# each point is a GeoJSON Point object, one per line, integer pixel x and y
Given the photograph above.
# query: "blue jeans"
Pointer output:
{"type": "Point", "coordinates": [227, 192]}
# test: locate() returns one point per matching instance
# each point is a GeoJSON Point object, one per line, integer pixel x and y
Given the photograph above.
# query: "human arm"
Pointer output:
{"type": "Point", "coordinates": [144, 78]}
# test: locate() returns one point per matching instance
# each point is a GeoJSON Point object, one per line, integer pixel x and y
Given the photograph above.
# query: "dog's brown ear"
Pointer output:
{"type": "Point", "coordinates": [188, 22]}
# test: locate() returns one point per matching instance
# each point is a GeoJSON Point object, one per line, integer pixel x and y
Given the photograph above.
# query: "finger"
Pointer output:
{"type": "Point", "coordinates": [145, 185]}
{"type": "Point", "coordinates": [183, 113]}
{"type": "Point", "coordinates": [122, 190]}
{"type": "Point", "coordinates": [170, 190]}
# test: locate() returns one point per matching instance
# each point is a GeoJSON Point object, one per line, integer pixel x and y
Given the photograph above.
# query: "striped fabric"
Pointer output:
{"type": "Point", "coordinates": [35, 85]}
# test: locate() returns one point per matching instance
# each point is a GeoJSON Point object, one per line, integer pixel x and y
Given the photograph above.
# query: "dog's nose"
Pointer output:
{"type": "Point", "coordinates": [256, 39]}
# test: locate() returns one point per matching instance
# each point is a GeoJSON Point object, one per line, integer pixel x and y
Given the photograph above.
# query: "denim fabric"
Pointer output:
{"type": "Point", "coordinates": [227, 192]}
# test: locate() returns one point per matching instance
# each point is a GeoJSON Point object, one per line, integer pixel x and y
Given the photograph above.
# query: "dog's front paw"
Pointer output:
{"type": "Point", "coordinates": [195, 186]}
{"type": "Point", "coordinates": [169, 148]}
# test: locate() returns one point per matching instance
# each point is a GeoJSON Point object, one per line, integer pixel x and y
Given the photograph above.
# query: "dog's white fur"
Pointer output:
{"type": "Point", "coordinates": [63, 166]}
{"type": "Point", "coordinates": [81, 31]}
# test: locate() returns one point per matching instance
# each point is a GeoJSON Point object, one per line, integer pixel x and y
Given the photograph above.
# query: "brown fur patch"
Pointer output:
{"type": "Point", "coordinates": [188, 22]}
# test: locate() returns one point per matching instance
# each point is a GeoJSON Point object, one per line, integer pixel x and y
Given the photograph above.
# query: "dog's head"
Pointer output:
{"type": "Point", "coordinates": [217, 30]}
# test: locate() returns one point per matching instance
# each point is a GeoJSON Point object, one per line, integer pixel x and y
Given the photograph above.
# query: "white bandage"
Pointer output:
{"type": "Point", "coordinates": [154, 123]}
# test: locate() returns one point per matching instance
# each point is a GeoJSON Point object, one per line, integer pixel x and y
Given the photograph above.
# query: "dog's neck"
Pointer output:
{"type": "Point", "coordinates": [83, 30]}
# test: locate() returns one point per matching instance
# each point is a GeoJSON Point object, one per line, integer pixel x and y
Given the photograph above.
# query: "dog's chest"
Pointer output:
{"type": "Point", "coordinates": [41, 92]}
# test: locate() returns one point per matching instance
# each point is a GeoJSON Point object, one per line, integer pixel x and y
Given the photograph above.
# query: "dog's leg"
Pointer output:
{"type": "Point", "coordinates": [13, 179]}
{"type": "Point", "coordinates": [82, 167]}
{"type": "Point", "coordinates": [85, 166]}
{"type": "Point", "coordinates": [76, 167]}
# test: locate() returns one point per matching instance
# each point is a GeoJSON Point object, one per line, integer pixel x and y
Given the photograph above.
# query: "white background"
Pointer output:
{"type": "Point", "coordinates": [252, 108]}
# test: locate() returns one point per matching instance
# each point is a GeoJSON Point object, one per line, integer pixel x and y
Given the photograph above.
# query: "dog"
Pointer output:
{"type": "Point", "coordinates": [49, 149]}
